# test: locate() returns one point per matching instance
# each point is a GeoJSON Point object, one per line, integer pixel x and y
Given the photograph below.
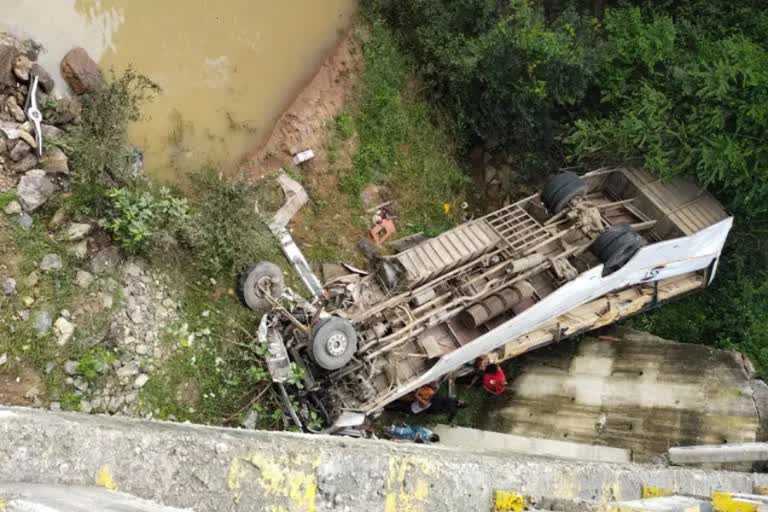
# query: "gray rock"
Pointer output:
{"type": "Point", "coordinates": [51, 132]}
{"type": "Point", "coordinates": [34, 190]}
{"type": "Point", "coordinates": [86, 407]}
{"type": "Point", "coordinates": [24, 220]}
{"type": "Point", "coordinates": [128, 370]}
{"type": "Point", "coordinates": [24, 314]}
{"type": "Point", "coordinates": [133, 270]}
{"type": "Point", "coordinates": [42, 322]}
{"type": "Point", "coordinates": [79, 250]}
{"type": "Point", "coordinates": [115, 404]}
{"type": "Point", "coordinates": [140, 381]}
{"type": "Point", "coordinates": [106, 260]}
{"type": "Point", "coordinates": [168, 303]}
{"type": "Point", "coordinates": [55, 406]}
{"type": "Point", "coordinates": [8, 285]}
{"type": "Point", "coordinates": [58, 219]}
{"type": "Point", "coordinates": [21, 67]}
{"type": "Point", "coordinates": [64, 329]}
{"type": "Point", "coordinates": [12, 208]}
{"type": "Point", "coordinates": [142, 349]}
{"type": "Point", "coordinates": [136, 315]}
{"type": "Point", "coordinates": [83, 279]}
{"type": "Point", "coordinates": [71, 367]}
{"type": "Point", "coordinates": [76, 231]}
{"type": "Point", "coordinates": [106, 301]}
{"type": "Point", "coordinates": [131, 397]}
{"type": "Point", "coordinates": [80, 384]}
{"type": "Point", "coordinates": [8, 54]}
{"type": "Point", "coordinates": [3, 359]}
{"type": "Point", "coordinates": [51, 262]}
{"type": "Point", "coordinates": [49, 366]}
{"type": "Point", "coordinates": [20, 150]}
{"type": "Point", "coordinates": [27, 163]}
{"type": "Point", "coordinates": [55, 161]}
{"type": "Point", "coordinates": [44, 78]}
{"type": "Point", "coordinates": [13, 108]}
{"type": "Point", "coordinates": [250, 420]}
{"type": "Point", "coordinates": [32, 279]}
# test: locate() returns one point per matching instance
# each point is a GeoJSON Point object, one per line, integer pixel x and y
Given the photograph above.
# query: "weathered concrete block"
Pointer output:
{"type": "Point", "coordinates": [719, 453]}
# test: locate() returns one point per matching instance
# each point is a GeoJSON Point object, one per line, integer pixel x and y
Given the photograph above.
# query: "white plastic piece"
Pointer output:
{"type": "Point", "coordinates": [300, 158]}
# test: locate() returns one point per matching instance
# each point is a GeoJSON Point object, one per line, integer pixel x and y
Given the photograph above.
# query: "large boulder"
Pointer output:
{"type": "Point", "coordinates": [34, 190]}
{"type": "Point", "coordinates": [55, 161]}
{"type": "Point", "coordinates": [8, 55]}
{"type": "Point", "coordinates": [80, 71]}
{"type": "Point", "coordinates": [21, 67]}
{"type": "Point", "coordinates": [43, 77]}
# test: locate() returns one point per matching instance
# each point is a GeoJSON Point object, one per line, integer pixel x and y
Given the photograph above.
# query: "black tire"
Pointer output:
{"type": "Point", "coordinates": [256, 280]}
{"type": "Point", "coordinates": [333, 343]}
{"type": "Point", "coordinates": [615, 247]}
{"type": "Point", "coordinates": [560, 189]}
{"type": "Point", "coordinates": [602, 245]}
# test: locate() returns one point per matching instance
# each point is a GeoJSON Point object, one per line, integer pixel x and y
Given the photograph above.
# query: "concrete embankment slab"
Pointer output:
{"type": "Point", "coordinates": [220, 469]}
{"type": "Point", "coordinates": [474, 439]}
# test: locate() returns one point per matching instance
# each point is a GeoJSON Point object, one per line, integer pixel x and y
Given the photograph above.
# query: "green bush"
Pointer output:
{"type": "Point", "coordinates": [100, 155]}
{"type": "Point", "coordinates": [506, 73]}
{"type": "Point", "coordinates": [137, 216]}
{"type": "Point", "coordinates": [94, 363]}
{"type": "Point", "coordinates": [225, 233]}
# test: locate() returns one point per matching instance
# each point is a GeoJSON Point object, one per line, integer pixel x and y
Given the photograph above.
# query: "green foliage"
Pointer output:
{"type": "Point", "coordinates": [136, 216]}
{"type": "Point", "coordinates": [695, 106]}
{"type": "Point", "coordinates": [506, 73]}
{"type": "Point", "coordinates": [6, 198]}
{"type": "Point", "coordinates": [344, 125]}
{"type": "Point", "coordinates": [95, 362]}
{"type": "Point", "coordinates": [225, 233]}
{"type": "Point", "coordinates": [100, 155]}
{"type": "Point", "coordinates": [399, 141]}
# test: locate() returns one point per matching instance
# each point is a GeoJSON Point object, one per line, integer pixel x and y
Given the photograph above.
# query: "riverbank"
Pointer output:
{"type": "Point", "coordinates": [137, 315]}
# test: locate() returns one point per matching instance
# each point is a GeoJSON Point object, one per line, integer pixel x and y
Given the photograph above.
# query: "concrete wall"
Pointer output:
{"type": "Point", "coordinates": [639, 392]}
{"type": "Point", "coordinates": [217, 469]}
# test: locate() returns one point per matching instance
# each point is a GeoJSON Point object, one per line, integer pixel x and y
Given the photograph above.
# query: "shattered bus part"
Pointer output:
{"type": "Point", "coordinates": [532, 273]}
{"type": "Point", "coordinates": [295, 198]}
{"type": "Point", "coordinates": [278, 361]}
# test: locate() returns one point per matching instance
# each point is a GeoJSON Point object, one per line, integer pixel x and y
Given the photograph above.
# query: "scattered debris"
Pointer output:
{"type": "Point", "coordinates": [304, 156]}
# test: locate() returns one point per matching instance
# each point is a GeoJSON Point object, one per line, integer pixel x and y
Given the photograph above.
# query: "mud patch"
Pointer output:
{"type": "Point", "coordinates": [20, 386]}
{"type": "Point", "coordinates": [303, 125]}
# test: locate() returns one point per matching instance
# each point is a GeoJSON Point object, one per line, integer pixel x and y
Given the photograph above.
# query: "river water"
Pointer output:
{"type": "Point", "coordinates": [227, 67]}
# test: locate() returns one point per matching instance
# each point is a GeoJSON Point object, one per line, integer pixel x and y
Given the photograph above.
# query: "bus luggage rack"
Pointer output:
{"type": "Point", "coordinates": [516, 227]}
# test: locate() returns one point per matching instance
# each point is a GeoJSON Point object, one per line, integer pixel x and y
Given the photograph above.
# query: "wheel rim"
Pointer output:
{"type": "Point", "coordinates": [337, 344]}
{"type": "Point", "coordinates": [263, 286]}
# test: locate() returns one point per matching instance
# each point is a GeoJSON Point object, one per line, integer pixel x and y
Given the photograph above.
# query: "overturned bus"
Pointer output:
{"type": "Point", "coordinates": [586, 252]}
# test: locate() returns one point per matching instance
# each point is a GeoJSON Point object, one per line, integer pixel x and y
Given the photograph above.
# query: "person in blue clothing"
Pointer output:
{"type": "Point", "coordinates": [413, 433]}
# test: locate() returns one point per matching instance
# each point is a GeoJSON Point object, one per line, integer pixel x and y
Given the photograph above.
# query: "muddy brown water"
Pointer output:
{"type": "Point", "coordinates": [227, 67]}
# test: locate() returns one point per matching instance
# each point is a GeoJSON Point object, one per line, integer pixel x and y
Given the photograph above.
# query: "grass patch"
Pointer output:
{"type": "Point", "coordinates": [400, 143]}
{"type": "Point", "coordinates": [217, 368]}
{"type": "Point", "coordinates": [6, 198]}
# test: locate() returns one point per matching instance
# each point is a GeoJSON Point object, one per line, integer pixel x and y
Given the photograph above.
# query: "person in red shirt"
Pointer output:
{"type": "Point", "coordinates": [494, 380]}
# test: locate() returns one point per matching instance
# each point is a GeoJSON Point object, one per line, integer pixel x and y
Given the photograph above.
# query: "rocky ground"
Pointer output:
{"type": "Point", "coordinates": [117, 312]}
